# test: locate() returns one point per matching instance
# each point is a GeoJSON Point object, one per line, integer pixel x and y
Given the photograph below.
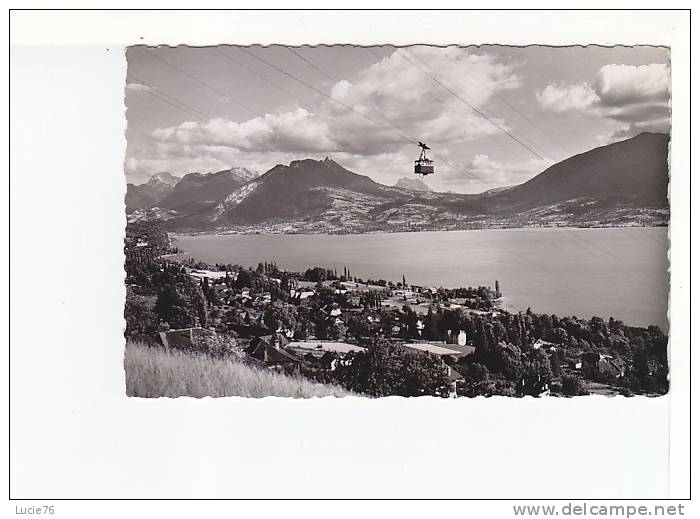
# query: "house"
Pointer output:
{"type": "Point", "coordinates": [459, 338]}
{"type": "Point", "coordinates": [539, 343]}
{"type": "Point", "coordinates": [331, 361]}
{"type": "Point", "coordinates": [594, 362]}
{"type": "Point", "coordinates": [318, 346]}
{"type": "Point", "coordinates": [328, 354]}
{"type": "Point", "coordinates": [610, 366]}
{"type": "Point", "coordinates": [435, 348]}
{"type": "Point", "coordinates": [188, 339]}
{"type": "Point", "coordinates": [301, 294]}
{"type": "Point", "coordinates": [575, 364]}
{"type": "Point", "coordinates": [462, 338]}
{"type": "Point", "coordinates": [536, 387]}
{"type": "Point", "coordinates": [210, 275]}
{"type": "Point", "coordinates": [270, 350]}
{"type": "Point", "coordinates": [455, 379]}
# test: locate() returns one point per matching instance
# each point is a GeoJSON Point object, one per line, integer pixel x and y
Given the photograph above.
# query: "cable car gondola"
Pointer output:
{"type": "Point", "coordinates": [423, 166]}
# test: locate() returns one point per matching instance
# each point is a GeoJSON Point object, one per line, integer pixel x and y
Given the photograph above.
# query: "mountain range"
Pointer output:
{"type": "Point", "coordinates": [624, 183]}
{"type": "Point", "coordinates": [145, 195]}
{"type": "Point", "coordinates": [191, 193]}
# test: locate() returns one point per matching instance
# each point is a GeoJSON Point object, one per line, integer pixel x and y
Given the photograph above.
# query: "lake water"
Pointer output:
{"type": "Point", "coordinates": [621, 272]}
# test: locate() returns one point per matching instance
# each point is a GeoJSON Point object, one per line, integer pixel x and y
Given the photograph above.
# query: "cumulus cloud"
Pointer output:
{"type": "Point", "coordinates": [636, 98]}
{"type": "Point", "coordinates": [626, 84]}
{"type": "Point", "coordinates": [394, 101]}
{"type": "Point", "coordinates": [482, 172]}
{"type": "Point", "coordinates": [298, 130]}
{"type": "Point", "coordinates": [564, 98]}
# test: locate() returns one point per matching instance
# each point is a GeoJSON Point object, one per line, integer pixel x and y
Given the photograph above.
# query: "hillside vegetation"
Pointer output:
{"type": "Point", "coordinates": [154, 372]}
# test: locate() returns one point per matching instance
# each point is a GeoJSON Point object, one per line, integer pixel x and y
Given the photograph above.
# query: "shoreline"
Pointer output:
{"type": "Point", "coordinates": [215, 232]}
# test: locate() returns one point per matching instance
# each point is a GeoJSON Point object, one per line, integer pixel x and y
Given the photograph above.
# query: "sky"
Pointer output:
{"type": "Point", "coordinates": [493, 116]}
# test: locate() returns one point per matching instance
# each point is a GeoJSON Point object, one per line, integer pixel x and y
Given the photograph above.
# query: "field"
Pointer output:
{"type": "Point", "coordinates": [154, 372]}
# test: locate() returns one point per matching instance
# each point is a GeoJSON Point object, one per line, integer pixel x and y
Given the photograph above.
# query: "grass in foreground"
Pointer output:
{"type": "Point", "coordinates": [154, 372]}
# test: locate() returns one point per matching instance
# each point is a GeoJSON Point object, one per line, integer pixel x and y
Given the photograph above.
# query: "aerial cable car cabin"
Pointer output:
{"type": "Point", "coordinates": [423, 166]}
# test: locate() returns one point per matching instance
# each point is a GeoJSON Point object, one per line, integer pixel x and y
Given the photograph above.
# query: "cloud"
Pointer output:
{"type": "Point", "coordinates": [565, 98]}
{"type": "Point", "coordinates": [298, 130]}
{"type": "Point", "coordinates": [636, 98]}
{"type": "Point", "coordinates": [138, 87]}
{"type": "Point", "coordinates": [627, 85]}
{"type": "Point", "coordinates": [482, 172]}
{"type": "Point", "coordinates": [393, 102]}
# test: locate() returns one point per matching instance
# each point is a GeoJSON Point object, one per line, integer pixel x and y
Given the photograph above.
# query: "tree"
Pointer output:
{"type": "Point", "coordinates": [280, 317]}
{"type": "Point", "coordinates": [556, 365]}
{"type": "Point", "coordinates": [358, 327]}
{"type": "Point", "coordinates": [499, 332]}
{"type": "Point", "coordinates": [388, 368]}
{"type": "Point", "coordinates": [481, 346]}
{"type": "Point", "coordinates": [244, 279]}
{"type": "Point", "coordinates": [172, 307]}
{"type": "Point", "coordinates": [523, 336]}
{"type": "Point", "coordinates": [140, 318]}
{"type": "Point", "coordinates": [572, 385]}
{"type": "Point", "coordinates": [409, 319]}
{"type": "Point", "coordinates": [334, 331]}
{"type": "Point", "coordinates": [508, 360]}
{"type": "Point", "coordinates": [431, 331]}
{"type": "Point", "coordinates": [197, 300]}
{"type": "Point", "coordinates": [539, 365]}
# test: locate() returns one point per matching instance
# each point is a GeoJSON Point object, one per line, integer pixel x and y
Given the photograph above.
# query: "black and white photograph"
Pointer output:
{"type": "Point", "coordinates": [313, 263]}
{"type": "Point", "coordinates": [371, 221]}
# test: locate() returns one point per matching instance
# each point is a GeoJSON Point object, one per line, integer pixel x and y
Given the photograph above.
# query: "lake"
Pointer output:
{"type": "Point", "coordinates": [620, 272]}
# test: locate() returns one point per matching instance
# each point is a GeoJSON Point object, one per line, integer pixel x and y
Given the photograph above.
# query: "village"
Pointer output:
{"type": "Point", "coordinates": [319, 322]}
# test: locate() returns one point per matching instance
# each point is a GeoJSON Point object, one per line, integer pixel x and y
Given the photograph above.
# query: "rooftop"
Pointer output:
{"type": "Point", "coordinates": [442, 349]}
{"type": "Point", "coordinates": [336, 347]}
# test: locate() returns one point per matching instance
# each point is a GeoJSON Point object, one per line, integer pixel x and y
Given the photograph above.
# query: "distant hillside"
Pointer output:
{"type": "Point", "coordinates": [414, 184]}
{"type": "Point", "coordinates": [302, 189]}
{"type": "Point", "coordinates": [145, 195]}
{"type": "Point", "coordinates": [165, 193]}
{"type": "Point", "coordinates": [196, 190]}
{"type": "Point", "coordinates": [631, 172]}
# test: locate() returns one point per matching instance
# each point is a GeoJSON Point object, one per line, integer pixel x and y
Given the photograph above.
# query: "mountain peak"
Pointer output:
{"type": "Point", "coordinates": [327, 162]}
{"type": "Point", "coordinates": [413, 184]}
{"type": "Point", "coordinates": [241, 173]}
{"type": "Point", "coordinates": [163, 178]}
